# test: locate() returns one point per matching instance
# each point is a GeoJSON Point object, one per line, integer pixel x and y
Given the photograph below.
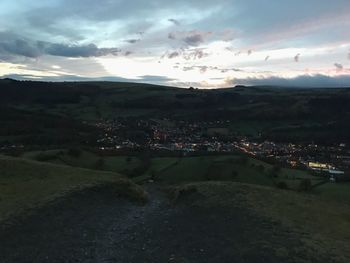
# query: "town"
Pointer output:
{"type": "Point", "coordinates": [187, 138]}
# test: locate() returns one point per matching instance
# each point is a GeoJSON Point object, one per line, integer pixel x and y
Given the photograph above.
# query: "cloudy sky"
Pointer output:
{"type": "Point", "coordinates": [200, 43]}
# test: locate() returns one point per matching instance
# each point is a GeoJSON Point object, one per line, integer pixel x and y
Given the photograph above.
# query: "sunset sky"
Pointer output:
{"type": "Point", "coordinates": [181, 43]}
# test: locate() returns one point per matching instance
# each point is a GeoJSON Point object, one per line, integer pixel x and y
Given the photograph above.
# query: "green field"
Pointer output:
{"type": "Point", "coordinates": [26, 184]}
{"type": "Point", "coordinates": [323, 224]}
{"type": "Point", "coordinates": [174, 170]}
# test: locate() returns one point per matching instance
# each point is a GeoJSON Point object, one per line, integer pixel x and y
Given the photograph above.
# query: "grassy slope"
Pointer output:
{"type": "Point", "coordinates": [88, 160]}
{"type": "Point", "coordinates": [26, 184]}
{"type": "Point", "coordinates": [220, 168]}
{"type": "Point", "coordinates": [323, 225]}
{"type": "Point", "coordinates": [195, 169]}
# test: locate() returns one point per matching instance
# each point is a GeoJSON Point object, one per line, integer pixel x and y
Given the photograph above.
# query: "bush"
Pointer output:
{"type": "Point", "coordinates": [131, 191]}
{"type": "Point", "coordinates": [181, 193]}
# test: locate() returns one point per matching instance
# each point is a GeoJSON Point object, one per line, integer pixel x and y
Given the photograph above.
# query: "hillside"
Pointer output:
{"type": "Point", "coordinates": [26, 185]}
{"type": "Point", "coordinates": [68, 108]}
{"type": "Point", "coordinates": [323, 226]}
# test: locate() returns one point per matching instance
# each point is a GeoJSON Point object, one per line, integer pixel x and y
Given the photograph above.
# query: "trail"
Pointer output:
{"type": "Point", "coordinates": [96, 226]}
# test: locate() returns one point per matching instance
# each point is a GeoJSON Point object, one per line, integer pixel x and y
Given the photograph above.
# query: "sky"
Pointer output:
{"type": "Point", "coordinates": [199, 43]}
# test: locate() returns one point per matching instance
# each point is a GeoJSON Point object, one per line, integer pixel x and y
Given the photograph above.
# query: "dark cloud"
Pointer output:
{"type": "Point", "coordinates": [237, 53]}
{"type": "Point", "coordinates": [174, 21]}
{"type": "Point", "coordinates": [22, 48]}
{"type": "Point", "coordinates": [249, 52]}
{"type": "Point", "coordinates": [173, 55]}
{"type": "Point", "coordinates": [155, 79]}
{"type": "Point", "coordinates": [128, 53]}
{"type": "Point", "coordinates": [90, 50]}
{"type": "Point", "coordinates": [132, 41]}
{"type": "Point", "coordinates": [188, 68]}
{"type": "Point", "coordinates": [195, 54]}
{"type": "Point", "coordinates": [65, 78]}
{"type": "Point", "coordinates": [172, 36]}
{"type": "Point", "coordinates": [267, 58]}
{"type": "Point", "coordinates": [321, 81]}
{"type": "Point", "coordinates": [338, 67]}
{"type": "Point", "coordinates": [224, 70]}
{"type": "Point", "coordinates": [32, 49]}
{"type": "Point", "coordinates": [194, 39]}
{"type": "Point", "coordinates": [191, 38]}
{"type": "Point", "coordinates": [203, 69]}
{"type": "Point", "coordinates": [297, 57]}
{"type": "Point", "coordinates": [189, 54]}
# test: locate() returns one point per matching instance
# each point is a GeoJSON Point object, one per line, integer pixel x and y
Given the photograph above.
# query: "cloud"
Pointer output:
{"type": "Point", "coordinates": [66, 77]}
{"type": "Point", "coordinates": [194, 39]}
{"type": "Point", "coordinates": [191, 38]}
{"type": "Point", "coordinates": [155, 79]}
{"type": "Point", "coordinates": [297, 58]}
{"type": "Point", "coordinates": [172, 36]}
{"type": "Point", "coordinates": [34, 49]}
{"type": "Point", "coordinates": [349, 56]}
{"type": "Point", "coordinates": [174, 21]}
{"type": "Point", "coordinates": [195, 54]}
{"type": "Point", "coordinates": [267, 58]}
{"type": "Point", "coordinates": [90, 50]}
{"type": "Point", "coordinates": [338, 67]}
{"type": "Point", "coordinates": [132, 41]}
{"type": "Point", "coordinates": [128, 53]}
{"type": "Point", "coordinates": [173, 54]}
{"type": "Point", "coordinates": [203, 69]}
{"type": "Point", "coordinates": [317, 80]}
{"type": "Point", "coordinates": [249, 52]}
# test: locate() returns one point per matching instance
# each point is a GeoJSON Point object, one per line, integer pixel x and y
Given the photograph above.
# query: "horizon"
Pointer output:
{"type": "Point", "coordinates": [200, 44]}
{"type": "Point", "coordinates": [176, 87]}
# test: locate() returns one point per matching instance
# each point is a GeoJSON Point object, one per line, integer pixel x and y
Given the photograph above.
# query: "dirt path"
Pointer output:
{"type": "Point", "coordinates": [96, 226]}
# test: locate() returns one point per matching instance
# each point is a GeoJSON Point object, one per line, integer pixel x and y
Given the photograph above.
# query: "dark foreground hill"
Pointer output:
{"type": "Point", "coordinates": [207, 222]}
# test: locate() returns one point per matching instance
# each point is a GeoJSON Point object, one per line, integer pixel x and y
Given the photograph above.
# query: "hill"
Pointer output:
{"type": "Point", "coordinates": [323, 226]}
{"type": "Point", "coordinates": [67, 109]}
{"type": "Point", "coordinates": [26, 185]}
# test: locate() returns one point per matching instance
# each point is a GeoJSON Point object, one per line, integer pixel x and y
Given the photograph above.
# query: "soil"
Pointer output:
{"type": "Point", "coordinates": [97, 226]}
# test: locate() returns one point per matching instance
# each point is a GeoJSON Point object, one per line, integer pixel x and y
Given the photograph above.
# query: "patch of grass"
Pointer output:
{"type": "Point", "coordinates": [339, 192]}
{"type": "Point", "coordinates": [26, 184]}
{"type": "Point", "coordinates": [324, 226]}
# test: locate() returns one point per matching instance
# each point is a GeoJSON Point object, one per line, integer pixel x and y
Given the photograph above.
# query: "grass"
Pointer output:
{"type": "Point", "coordinates": [26, 184]}
{"type": "Point", "coordinates": [324, 226]}
{"type": "Point", "coordinates": [225, 168]}
{"type": "Point", "coordinates": [85, 159]}
{"type": "Point", "coordinates": [173, 170]}
{"type": "Point", "coordinates": [339, 192]}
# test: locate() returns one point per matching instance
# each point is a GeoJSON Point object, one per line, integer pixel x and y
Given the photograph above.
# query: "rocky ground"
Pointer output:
{"type": "Point", "coordinates": [97, 226]}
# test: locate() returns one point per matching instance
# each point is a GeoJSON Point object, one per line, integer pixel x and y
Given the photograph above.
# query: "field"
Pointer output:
{"type": "Point", "coordinates": [323, 225]}
{"type": "Point", "coordinates": [175, 170]}
{"type": "Point", "coordinates": [25, 184]}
